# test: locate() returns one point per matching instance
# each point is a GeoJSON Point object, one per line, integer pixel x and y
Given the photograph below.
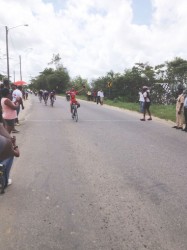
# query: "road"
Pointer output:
{"type": "Point", "coordinates": [108, 182]}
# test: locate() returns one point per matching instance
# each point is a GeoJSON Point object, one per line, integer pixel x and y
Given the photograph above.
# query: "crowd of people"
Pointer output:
{"type": "Point", "coordinates": [11, 100]}
{"type": "Point", "coordinates": [96, 96]}
{"type": "Point", "coordinates": [45, 95]}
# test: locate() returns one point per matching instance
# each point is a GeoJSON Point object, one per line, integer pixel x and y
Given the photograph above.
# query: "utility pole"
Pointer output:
{"type": "Point", "coordinates": [7, 54]}
{"type": "Point", "coordinates": [20, 68]}
{"type": "Point", "coordinates": [7, 50]}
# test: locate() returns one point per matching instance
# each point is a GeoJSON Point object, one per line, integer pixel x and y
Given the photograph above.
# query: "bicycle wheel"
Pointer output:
{"type": "Point", "coordinates": [76, 114]}
{"type": "Point", "coordinates": [52, 102]}
{"type": "Point", "coordinates": [72, 113]}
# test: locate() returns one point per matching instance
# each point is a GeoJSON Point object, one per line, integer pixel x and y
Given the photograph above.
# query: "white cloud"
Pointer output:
{"type": "Point", "coordinates": [92, 36]}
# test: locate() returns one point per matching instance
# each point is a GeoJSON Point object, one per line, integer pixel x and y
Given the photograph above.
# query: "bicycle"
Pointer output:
{"type": "Point", "coordinates": [45, 100]}
{"type": "Point", "coordinates": [74, 112]}
{"type": "Point", "coordinates": [40, 98]}
{"type": "Point", "coordinates": [52, 100]}
{"type": "Point", "coordinates": [2, 178]}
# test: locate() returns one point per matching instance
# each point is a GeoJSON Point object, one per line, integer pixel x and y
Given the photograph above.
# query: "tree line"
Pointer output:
{"type": "Point", "coordinates": [163, 80]}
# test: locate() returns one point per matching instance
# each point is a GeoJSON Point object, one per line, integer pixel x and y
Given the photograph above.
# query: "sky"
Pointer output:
{"type": "Point", "coordinates": [92, 37]}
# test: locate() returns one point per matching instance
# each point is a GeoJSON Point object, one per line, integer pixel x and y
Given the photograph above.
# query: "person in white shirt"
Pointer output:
{"type": "Point", "coordinates": [101, 97]}
{"type": "Point", "coordinates": [98, 96]}
{"type": "Point", "coordinates": [147, 103]}
{"type": "Point", "coordinates": [141, 101]}
{"type": "Point", "coordinates": [17, 95]}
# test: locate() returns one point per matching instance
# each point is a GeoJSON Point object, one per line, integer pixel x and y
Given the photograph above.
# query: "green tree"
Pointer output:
{"type": "Point", "coordinates": [176, 72]}
{"type": "Point", "coordinates": [1, 77]}
{"type": "Point", "coordinates": [55, 60]}
{"type": "Point", "coordinates": [52, 79]}
{"type": "Point", "coordinates": [78, 82]}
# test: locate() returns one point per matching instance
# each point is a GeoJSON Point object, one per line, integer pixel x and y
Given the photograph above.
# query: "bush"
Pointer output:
{"type": "Point", "coordinates": [115, 100]}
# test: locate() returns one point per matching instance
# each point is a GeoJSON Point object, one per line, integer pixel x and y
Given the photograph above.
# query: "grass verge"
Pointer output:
{"type": "Point", "coordinates": [166, 112]}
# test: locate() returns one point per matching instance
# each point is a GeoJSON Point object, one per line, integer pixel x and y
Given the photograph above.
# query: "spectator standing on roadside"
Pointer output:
{"type": "Point", "coordinates": [185, 109]}
{"type": "Point", "coordinates": [94, 95]}
{"type": "Point", "coordinates": [179, 109]}
{"type": "Point", "coordinates": [17, 95]}
{"type": "Point", "coordinates": [147, 103]}
{"type": "Point", "coordinates": [89, 94]}
{"type": "Point", "coordinates": [98, 97]}
{"type": "Point", "coordinates": [1, 118]}
{"type": "Point", "coordinates": [9, 110]}
{"type": "Point", "coordinates": [26, 94]}
{"type": "Point", "coordinates": [141, 100]}
{"type": "Point", "coordinates": [101, 97]}
{"type": "Point", "coordinates": [23, 94]}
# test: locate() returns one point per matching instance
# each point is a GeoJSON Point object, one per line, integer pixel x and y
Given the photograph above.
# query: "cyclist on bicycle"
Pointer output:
{"type": "Point", "coordinates": [40, 94]}
{"type": "Point", "coordinates": [45, 95]}
{"type": "Point", "coordinates": [73, 100]}
{"type": "Point", "coordinates": [52, 94]}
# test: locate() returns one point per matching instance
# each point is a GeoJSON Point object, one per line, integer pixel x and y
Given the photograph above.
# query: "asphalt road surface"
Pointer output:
{"type": "Point", "coordinates": [108, 182]}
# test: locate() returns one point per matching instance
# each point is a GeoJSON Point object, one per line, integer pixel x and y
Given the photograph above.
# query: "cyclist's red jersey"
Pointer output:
{"type": "Point", "coordinates": [73, 96]}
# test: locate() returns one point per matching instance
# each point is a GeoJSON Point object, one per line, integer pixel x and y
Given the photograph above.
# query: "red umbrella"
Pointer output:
{"type": "Point", "coordinates": [20, 83]}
